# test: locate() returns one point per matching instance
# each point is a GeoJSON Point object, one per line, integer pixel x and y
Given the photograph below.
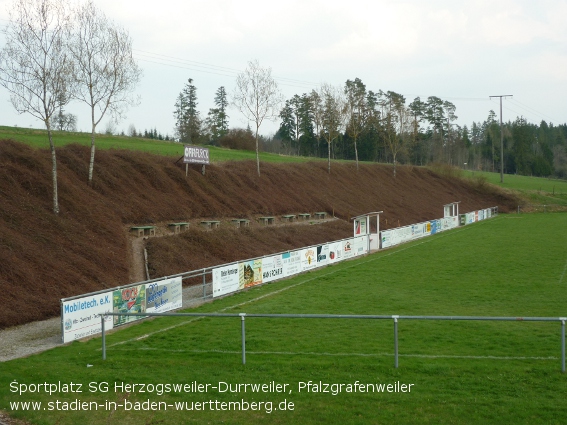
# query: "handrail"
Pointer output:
{"type": "Point", "coordinates": [395, 318]}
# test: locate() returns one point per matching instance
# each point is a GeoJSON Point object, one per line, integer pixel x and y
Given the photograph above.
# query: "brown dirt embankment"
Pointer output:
{"type": "Point", "coordinates": [45, 257]}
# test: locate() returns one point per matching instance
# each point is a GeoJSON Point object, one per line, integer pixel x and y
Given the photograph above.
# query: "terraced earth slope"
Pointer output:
{"type": "Point", "coordinates": [45, 257]}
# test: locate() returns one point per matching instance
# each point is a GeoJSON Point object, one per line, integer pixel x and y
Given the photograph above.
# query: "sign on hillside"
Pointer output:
{"type": "Point", "coordinates": [196, 155]}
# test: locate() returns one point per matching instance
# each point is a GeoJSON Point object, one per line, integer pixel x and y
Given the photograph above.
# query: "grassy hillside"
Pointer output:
{"type": "Point", "coordinates": [461, 372]}
{"type": "Point", "coordinates": [38, 139]}
{"type": "Point", "coordinates": [535, 190]}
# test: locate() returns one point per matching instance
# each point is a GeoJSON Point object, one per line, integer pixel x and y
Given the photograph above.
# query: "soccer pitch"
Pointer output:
{"type": "Point", "coordinates": [327, 371]}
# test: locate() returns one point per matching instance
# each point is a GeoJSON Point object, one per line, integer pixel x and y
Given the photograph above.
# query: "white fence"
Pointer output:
{"type": "Point", "coordinates": [81, 315]}
{"type": "Point", "coordinates": [243, 274]}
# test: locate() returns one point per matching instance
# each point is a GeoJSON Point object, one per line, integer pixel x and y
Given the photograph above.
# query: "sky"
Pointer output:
{"type": "Point", "coordinates": [460, 51]}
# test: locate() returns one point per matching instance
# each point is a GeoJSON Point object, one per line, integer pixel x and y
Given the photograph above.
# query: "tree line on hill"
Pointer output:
{"type": "Point", "coordinates": [354, 123]}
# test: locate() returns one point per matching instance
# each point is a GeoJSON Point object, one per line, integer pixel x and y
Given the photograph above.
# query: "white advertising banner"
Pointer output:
{"type": "Point", "coordinates": [323, 253]}
{"type": "Point", "coordinates": [335, 252]}
{"type": "Point", "coordinates": [291, 263]}
{"type": "Point", "coordinates": [226, 280]}
{"type": "Point", "coordinates": [449, 223]}
{"type": "Point", "coordinates": [272, 268]}
{"type": "Point", "coordinates": [348, 248]}
{"type": "Point", "coordinates": [360, 245]}
{"type": "Point", "coordinates": [164, 295]}
{"type": "Point", "coordinates": [308, 258]}
{"type": "Point", "coordinates": [470, 217]}
{"type": "Point", "coordinates": [81, 316]}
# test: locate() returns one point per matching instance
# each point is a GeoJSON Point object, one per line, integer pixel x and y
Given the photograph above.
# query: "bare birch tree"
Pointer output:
{"type": "Point", "coordinates": [332, 117]}
{"type": "Point", "coordinates": [257, 97]}
{"type": "Point", "coordinates": [355, 105]}
{"type": "Point", "coordinates": [34, 66]}
{"type": "Point", "coordinates": [104, 71]}
{"type": "Point", "coordinates": [396, 124]}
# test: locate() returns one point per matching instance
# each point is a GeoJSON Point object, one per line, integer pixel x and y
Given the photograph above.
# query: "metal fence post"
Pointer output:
{"type": "Point", "coordinates": [204, 284]}
{"type": "Point", "coordinates": [563, 319]}
{"type": "Point", "coordinates": [242, 317]}
{"type": "Point", "coordinates": [103, 337]}
{"type": "Point", "coordinates": [395, 341]}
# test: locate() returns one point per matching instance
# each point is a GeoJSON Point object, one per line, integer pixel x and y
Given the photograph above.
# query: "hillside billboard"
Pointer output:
{"type": "Point", "coordinates": [196, 155]}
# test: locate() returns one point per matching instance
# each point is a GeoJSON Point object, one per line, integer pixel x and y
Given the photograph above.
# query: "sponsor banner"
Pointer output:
{"type": "Point", "coordinates": [480, 215]}
{"type": "Point", "coordinates": [250, 273]}
{"type": "Point", "coordinates": [323, 255]}
{"type": "Point", "coordinates": [387, 238]}
{"type": "Point", "coordinates": [489, 212]}
{"type": "Point", "coordinates": [419, 230]}
{"type": "Point", "coordinates": [449, 223]}
{"type": "Point", "coordinates": [128, 300]}
{"type": "Point", "coordinates": [335, 252]}
{"type": "Point", "coordinates": [433, 226]}
{"type": "Point", "coordinates": [360, 226]}
{"type": "Point", "coordinates": [81, 316]}
{"type": "Point", "coordinates": [291, 263]}
{"type": "Point", "coordinates": [225, 280]}
{"type": "Point", "coordinates": [308, 258]}
{"type": "Point", "coordinates": [196, 155]}
{"type": "Point", "coordinates": [470, 217]}
{"type": "Point", "coordinates": [360, 245]}
{"type": "Point", "coordinates": [272, 268]}
{"type": "Point", "coordinates": [164, 295]}
{"type": "Point", "coordinates": [348, 249]}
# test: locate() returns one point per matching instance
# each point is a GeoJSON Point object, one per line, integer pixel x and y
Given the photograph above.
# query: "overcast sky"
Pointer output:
{"type": "Point", "coordinates": [461, 51]}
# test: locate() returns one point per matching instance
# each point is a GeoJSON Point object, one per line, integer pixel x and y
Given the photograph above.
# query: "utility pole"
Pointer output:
{"type": "Point", "coordinates": [501, 137]}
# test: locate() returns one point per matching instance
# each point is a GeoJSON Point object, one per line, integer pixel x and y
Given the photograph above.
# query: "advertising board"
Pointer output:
{"type": "Point", "coordinates": [165, 295]}
{"type": "Point", "coordinates": [81, 316]}
{"type": "Point", "coordinates": [196, 155]}
{"type": "Point", "coordinates": [225, 280]}
{"type": "Point", "coordinates": [291, 263]}
{"type": "Point", "coordinates": [272, 268]}
{"type": "Point", "coordinates": [249, 273]}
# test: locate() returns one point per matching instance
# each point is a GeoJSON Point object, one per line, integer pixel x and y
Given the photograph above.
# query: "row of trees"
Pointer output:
{"type": "Point", "coordinates": [360, 124]}
{"type": "Point", "coordinates": [351, 122]}
{"type": "Point", "coordinates": [56, 53]}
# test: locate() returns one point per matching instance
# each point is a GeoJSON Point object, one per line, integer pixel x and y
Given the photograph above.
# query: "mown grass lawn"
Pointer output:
{"type": "Point", "coordinates": [461, 371]}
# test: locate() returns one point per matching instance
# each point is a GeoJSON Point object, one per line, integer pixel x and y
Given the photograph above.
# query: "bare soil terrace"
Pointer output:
{"type": "Point", "coordinates": [45, 257]}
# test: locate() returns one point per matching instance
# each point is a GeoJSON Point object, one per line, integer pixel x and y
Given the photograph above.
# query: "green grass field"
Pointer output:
{"type": "Point", "coordinates": [462, 372]}
{"type": "Point", "coordinates": [38, 139]}
{"type": "Point", "coordinates": [536, 190]}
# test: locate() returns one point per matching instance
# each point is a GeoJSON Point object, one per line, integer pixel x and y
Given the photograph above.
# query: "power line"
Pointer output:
{"type": "Point", "coordinates": [528, 108]}
{"type": "Point", "coordinates": [214, 69]}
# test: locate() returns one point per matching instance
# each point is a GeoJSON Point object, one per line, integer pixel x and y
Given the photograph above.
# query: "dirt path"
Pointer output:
{"type": "Point", "coordinates": [137, 261]}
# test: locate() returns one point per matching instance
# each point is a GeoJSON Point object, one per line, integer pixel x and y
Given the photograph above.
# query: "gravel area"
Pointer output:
{"type": "Point", "coordinates": [35, 337]}
{"type": "Point", "coordinates": [30, 338]}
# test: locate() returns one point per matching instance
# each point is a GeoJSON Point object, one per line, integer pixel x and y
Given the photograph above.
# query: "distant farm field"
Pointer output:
{"type": "Point", "coordinates": [523, 183]}
{"type": "Point", "coordinates": [459, 371]}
